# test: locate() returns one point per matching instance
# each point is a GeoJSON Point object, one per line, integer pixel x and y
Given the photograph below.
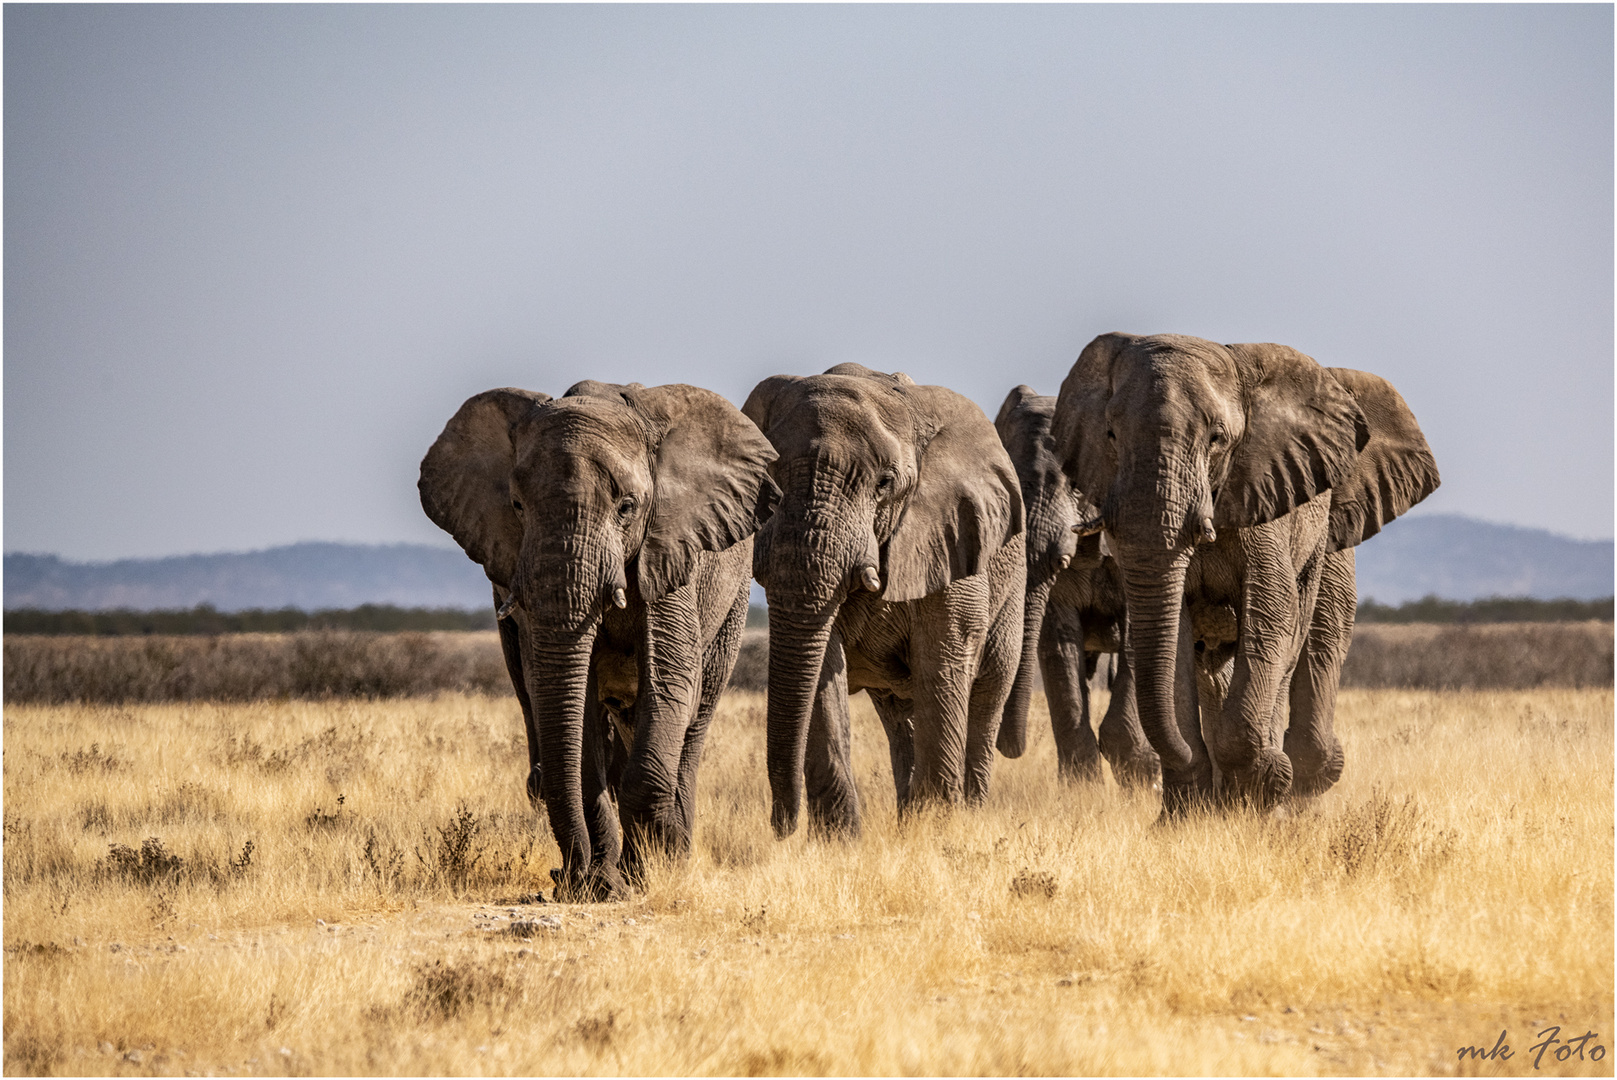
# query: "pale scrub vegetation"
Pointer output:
{"type": "Point", "coordinates": [341, 886]}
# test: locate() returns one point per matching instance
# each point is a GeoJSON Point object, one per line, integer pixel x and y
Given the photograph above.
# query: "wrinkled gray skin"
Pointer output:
{"type": "Point", "coordinates": [1232, 482]}
{"type": "Point", "coordinates": [616, 525]}
{"type": "Point", "coordinates": [1074, 612]}
{"type": "Point", "coordinates": [893, 565]}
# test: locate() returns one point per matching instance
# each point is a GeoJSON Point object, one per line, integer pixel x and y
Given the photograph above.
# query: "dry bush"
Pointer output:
{"type": "Point", "coordinates": [1500, 656]}
{"type": "Point", "coordinates": [249, 667]}
{"type": "Point", "coordinates": [1456, 882]}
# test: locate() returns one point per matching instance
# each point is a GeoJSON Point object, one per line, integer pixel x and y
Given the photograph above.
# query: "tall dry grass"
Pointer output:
{"type": "Point", "coordinates": [301, 887]}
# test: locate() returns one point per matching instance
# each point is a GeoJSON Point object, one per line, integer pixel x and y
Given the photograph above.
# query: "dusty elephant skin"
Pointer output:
{"type": "Point", "coordinates": [616, 525]}
{"type": "Point", "coordinates": [1233, 482]}
{"type": "Point", "coordinates": [1074, 613]}
{"type": "Point", "coordinates": [894, 565]}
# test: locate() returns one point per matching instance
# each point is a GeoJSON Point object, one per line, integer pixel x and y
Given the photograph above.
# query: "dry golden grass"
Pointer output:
{"type": "Point", "coordinates": [1456, 883]}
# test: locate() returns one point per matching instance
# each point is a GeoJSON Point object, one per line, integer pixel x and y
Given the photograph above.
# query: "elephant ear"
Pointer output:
{"type": "Point", "coordinates": [1079, 424]}
{"type": "Point", "coordinates": [465, 480]}
{"type": "Point", "coordinates": [965, 505]}
{"type": "Point", "coordinates": [711, 484]}
{"type": "Point", "coordinates": [1303, 435]}
{"type": "Point", "coordinates": [1394, 471]}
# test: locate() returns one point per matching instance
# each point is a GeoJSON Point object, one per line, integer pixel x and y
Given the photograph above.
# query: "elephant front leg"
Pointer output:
{"type": "Point", "coordinates": [897, 718]}
{"type": "Point", "coordinates": [1122, 740]}
{"type": "Point", "coordinates": [1066, 690]}
{"type": "Point", "coordinates": [1311, 743]}
{"type": "Point", "coordinates": [833, 799]}
{"type": "Point", "coordinates": [511, 647]}
{"type": "Point", "coordinates": [945, 647]}
{"type": "Point", "coordinates": [996, 671]}
{"type": "Point", "coordinates": [1253, 769]}
{"type": "Point", "coordinates": [605, 881]}
{"type": "Point", "coordinates": [717, 665]}
{"type": "Point", "coordinates": [670, 681]}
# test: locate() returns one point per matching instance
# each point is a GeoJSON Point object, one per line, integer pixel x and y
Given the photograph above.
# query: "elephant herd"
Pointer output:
{"type": "Point", "coordinates": [1189, 506]}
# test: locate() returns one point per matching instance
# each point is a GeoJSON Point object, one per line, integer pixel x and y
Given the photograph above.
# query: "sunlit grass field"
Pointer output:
{"type": "Point", "coordinates": [345, 887]}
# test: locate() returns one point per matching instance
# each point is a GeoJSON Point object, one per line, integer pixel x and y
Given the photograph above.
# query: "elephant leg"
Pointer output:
{"type": "Point", "coordinates": [898, 720]}
{"type": "Point", "coordinates": [833, 799]}
{"type": "Point", "coordinates": [996, 672]}
{"type": "Point", "coordinates": [1311, 743]}
{"type": "Point", "coordinates": [1122, 740]}
{"type": "Point", "coordinates": [1066, 690]}
{"type": "Point", "coordinates": [946, 644]}
{"type": "Point", "coordinates": [670, 677]}
{"type": "Point", "coordinates": [511, 647]}
{"type": "Point", "coordinates": [1255, 770]}
{"type": "Point", "coordinates": [717, 665]}
{"type": "Point", "coordinates": [600, 811]}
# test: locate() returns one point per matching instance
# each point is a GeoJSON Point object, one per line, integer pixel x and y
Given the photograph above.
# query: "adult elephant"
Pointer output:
{"type": "Point", "coordinates": [893, 565]}
{"type": "Point", "coordinates": [1232, 482]}
{"type": "Point", "coordinates": [616, 525]}
{"type": "Point", "coordinates": [1073, 614]}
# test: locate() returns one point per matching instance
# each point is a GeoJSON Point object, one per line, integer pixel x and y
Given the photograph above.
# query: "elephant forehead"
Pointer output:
{"type": "Point", "coordinates": [1179, 374]}
{"type": "Point", "coordinates": [843, 418]}
{"type": "Point", "coordinates": [570, 432]}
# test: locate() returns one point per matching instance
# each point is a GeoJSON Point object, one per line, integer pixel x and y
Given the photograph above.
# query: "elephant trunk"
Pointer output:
{"type": "Point", "coordinates": [557, 676]}
{"type": "Point", "coordinates": [1012, 740]}
{"type": "Point", "coordinates": [1153, 586]}
{"type": "Point", "coordinates": [797, 646]}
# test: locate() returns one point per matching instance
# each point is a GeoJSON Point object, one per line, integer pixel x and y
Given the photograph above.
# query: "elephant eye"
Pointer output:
{"type": "Point", "coordinates": [626, 507]}
{"type": "Point", "coordinates": [884, 486]}
{"type": "Point", "coordinates": [516, 504]}
{"type": "Point", "coordinates": [1112, 435]}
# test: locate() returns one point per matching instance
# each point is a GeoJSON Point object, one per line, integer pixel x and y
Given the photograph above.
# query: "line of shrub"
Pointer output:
{"type": "Point", "coordinates": [340, 663]}
{"type": "Point", "coordinates": [1494, 609]}
{"type": "Point", "coordinates": [205, 619]}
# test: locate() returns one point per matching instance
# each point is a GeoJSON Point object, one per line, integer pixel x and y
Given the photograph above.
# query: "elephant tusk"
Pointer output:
{"type": "Point", "coordinates": [504, 611]}
{"type": "Point", "coordinates": [1208, 532]}
{"type": "Point", "coordinates": [1090, 527]}
{"type": "Point", "coordinates": [1066, 561]}
{"type": "Point", "coordinates": [618, 598]}
{"type": "Point", "coordinates": [871, 579]}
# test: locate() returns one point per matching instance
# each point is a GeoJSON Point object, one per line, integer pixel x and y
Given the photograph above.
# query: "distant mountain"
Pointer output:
{"type": "Point", "coordinates": [310, 576]}
{"type": "Point", "coordinates": [1461, 558]}
{"type": "Point", "coordinates": [1454, 557]}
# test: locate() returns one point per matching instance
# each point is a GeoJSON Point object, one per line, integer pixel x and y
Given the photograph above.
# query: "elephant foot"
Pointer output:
{"type": "Point", "coordinates": [1079, 770]}
{"type": "Point", "coordinates": [783, 819]}
{"type": "Point", "coordinates": [596, 885]}
{"type": "Point", "coordinates": [1261, 784]}
{"type": "Point", "coordinates": [1133, 773]}
{"type": "Point", "coordinates": [1309, 782]}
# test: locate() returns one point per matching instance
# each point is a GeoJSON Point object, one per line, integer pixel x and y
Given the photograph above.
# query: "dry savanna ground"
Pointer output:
{"type": "Point", "coordinates": [348, 887]}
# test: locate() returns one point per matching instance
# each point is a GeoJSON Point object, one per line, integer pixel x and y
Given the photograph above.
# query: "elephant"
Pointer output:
{"type": "Point", "coordinates": [616, 524]}
{"type": "Point", "coordinates": [1074, 612]}
{"type": "Point", "coordinates": [893, 565]}
{"type": "Point", "coordinates": [1232, 482]}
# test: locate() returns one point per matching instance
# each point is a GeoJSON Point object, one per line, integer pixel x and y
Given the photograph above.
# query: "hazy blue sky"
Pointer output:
{"type": "Point", "coordinates": [256, 256]}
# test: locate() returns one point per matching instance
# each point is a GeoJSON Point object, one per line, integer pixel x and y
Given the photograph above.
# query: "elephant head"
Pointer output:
{"type": "Point", "coordinates": [887, 486]}
{"type": "Point", "coordinates": [1177, 440]}
{"type": "Point", "coordinates": [1052, 510]}
{"type": "Point", "coordinates": [595, 501]}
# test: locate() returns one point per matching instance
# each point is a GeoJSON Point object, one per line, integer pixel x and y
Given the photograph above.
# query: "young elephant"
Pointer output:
{"type": "Point", "coordinates": [1074, 613]}
{"type": "Point", "coordinates": [616, 525]}
{"type": "Point", "coordinates": [894, 565]}
{"type": "Point", "coordinates": [1231, 481]}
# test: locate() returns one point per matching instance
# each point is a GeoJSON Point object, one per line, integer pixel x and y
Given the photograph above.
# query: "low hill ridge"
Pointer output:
{"type": "Point", "coordinates": [1446, 555]}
